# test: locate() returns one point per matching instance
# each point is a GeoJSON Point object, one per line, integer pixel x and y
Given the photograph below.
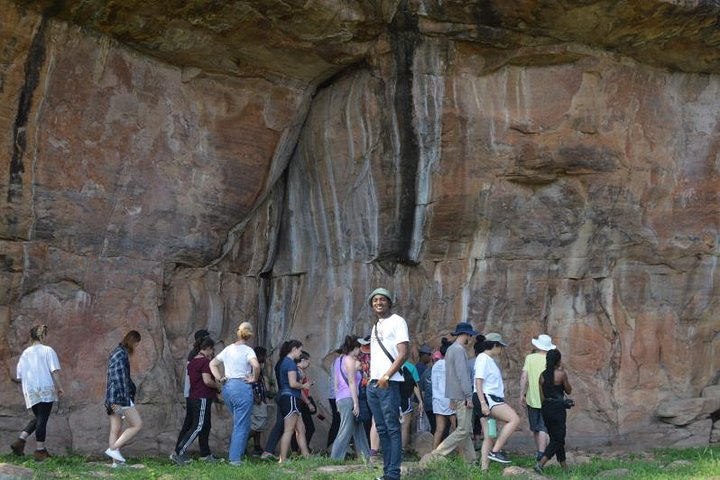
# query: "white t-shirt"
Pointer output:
{"type": "Point", "coordinates": [236, 360]}
{"type": "Point", "coordinates": [487, 369]}
{"type": "Point", "coordinates": [390, 331]}
{"type": "Point", "coordinates": [35, 369]}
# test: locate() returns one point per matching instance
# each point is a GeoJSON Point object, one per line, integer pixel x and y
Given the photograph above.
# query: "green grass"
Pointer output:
{"type": "Point", "coordinates": [704, 463]}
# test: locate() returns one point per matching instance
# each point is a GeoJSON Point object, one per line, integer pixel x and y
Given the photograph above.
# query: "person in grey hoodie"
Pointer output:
{"type": "Point", "coordinates": [458, 388]}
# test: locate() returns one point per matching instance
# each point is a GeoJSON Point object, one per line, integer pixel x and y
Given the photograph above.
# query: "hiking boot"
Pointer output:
{"type": "Point", "coordinates": [18, 447]}
{"type": "Point", "coordinates": [538, 468]}
{"type": "Point", "coordinates": [498, 457]}
{"type": "Point", "coordinates": [41, 455]}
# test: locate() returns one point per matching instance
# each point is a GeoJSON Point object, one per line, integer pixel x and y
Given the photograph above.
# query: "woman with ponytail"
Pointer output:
{"type": "Point", "coordinates": [288, 412]}
{"type": "Point", "coordinates": [347, 379]}
{"type": "Point", "coordinates": [554, 384]}
{"type": "Point", "coordinates": [38, 371]}
{"type": "Point", "coordinates": [203, 390]}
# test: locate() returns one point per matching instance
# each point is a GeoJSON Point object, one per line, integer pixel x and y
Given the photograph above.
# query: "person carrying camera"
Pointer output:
{"type": "Point", "coordinates": [554, 384]}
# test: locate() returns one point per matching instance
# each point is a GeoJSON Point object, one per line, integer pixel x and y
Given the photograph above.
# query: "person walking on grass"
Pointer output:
{"type": "Point", "coordinates": [203, 390]}
{"type": "Point", "coordinates": [389, 348]}
{"type": "Point", "coordinates": [530, 391]}
{"type": "Point", "coordinates": [120, 397]}
{"type": "Point", "coordinates": [554, 384]}
{"type": "Point", "coordinates": [288, 412]}
{"type": "Point", "coordinates": [347, 380]}
{"type": "Point", "coordinates": [458, 388]}
{"type": "Point", "coordinates": [444, 415]}
{"type": "Point", "coordinates": [38, 370]}
{"type": "Point", "coordinates": [490, 390]}
{"type": "Point", "coordinates": [240, 370]}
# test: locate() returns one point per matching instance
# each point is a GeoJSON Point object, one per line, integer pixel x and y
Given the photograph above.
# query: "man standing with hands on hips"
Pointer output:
{"type": "Point", "coordinates": [389, 341]}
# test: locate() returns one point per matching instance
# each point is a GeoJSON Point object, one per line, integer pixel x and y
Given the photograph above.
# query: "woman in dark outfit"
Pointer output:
{"type": "Point", "coordinates": [554, 384]}
{"type": "Point", "coordinates": [203, 390]}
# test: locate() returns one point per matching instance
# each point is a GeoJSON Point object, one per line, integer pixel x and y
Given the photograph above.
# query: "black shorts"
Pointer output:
{"type": "Point", "coordinates": [477, 409]}
{"type": "Point", "coordinates": [288, 405]}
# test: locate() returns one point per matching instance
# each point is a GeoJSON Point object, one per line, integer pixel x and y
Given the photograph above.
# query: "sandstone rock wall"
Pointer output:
{"type": "Point", "coordinates": [514, 176]}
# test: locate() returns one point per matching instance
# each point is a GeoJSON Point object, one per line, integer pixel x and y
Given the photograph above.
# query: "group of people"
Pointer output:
{"type": "Point", "coordinates": [372, 386]}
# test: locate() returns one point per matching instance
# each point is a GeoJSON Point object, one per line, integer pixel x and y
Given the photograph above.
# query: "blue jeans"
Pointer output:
{"type": "Point", "coordinates": [238, 397]}
{"type": "Point", "coordinates": [385, 407]}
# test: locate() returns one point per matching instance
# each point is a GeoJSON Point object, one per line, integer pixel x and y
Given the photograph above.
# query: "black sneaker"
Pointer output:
{"type": "Point", "coordinates": [180, 459]}
{"type": "Point", "coordinates": [498, 457]}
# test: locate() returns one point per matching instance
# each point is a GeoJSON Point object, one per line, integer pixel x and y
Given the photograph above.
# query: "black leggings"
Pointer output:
{"type": "Point", "coordinates": [39, 423]}
{"type": "Point", "coordinates": [199, 427]}
{"type": "Point", "coordinates": [555, 417]}
{"type": "Point", "coordinates": [335, 425]}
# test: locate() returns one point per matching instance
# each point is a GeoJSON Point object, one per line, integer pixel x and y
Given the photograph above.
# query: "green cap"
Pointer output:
{"type": "Point", "coordinates": [380, 291]}
{"type": "Point", "coordinates": [495, 337]}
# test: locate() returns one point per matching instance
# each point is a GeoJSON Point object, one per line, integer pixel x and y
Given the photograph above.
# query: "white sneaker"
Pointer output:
{"type": "Point", "coordinates": [115, 454]}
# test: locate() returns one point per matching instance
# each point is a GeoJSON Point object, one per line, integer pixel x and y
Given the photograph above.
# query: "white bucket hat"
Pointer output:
{"type": "Point", "coordinates": [543, 342]}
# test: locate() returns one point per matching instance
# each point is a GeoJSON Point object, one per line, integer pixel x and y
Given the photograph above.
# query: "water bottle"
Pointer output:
{"type": "Point", "coordinates": [492, 428]}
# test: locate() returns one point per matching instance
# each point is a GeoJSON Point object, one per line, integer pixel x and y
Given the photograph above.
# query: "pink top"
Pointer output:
{"type": "Point", "coordinates": [342, 390]}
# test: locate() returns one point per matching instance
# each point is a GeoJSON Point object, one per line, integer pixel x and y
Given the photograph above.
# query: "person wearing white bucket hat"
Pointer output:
{"type": "Point", "coordinates": [530, 391]}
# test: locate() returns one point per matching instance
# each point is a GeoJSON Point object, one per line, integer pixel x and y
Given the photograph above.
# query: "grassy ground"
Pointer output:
{"type": "Point", "coordinates": [703, 463]}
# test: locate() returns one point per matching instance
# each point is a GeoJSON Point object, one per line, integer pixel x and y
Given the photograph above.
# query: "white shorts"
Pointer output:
{"type": "Point", "coordinates": [441, 406]}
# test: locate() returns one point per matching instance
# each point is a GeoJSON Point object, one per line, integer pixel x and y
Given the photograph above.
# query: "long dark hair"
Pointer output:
{"type": "Point", "coordinates": [131, 339]}
{"type": "Point", "coordinates": [479, 346]}
{"type": "Point", "coordinates": [444, 345]}
{"type": "Point", "coordinates": [285, 348]}
{"type": "Point", "coordinates": [552, 359]}
{"type": "Point", "coordinates": [197, 346]}
{"type": "Point", "coordinates": [350, 344]}
{"type": "Point", "coordinates": [203, 344]}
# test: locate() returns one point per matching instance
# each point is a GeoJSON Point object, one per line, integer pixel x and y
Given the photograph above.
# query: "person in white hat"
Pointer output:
{"type": "Point", "coordinates": [530, 391]}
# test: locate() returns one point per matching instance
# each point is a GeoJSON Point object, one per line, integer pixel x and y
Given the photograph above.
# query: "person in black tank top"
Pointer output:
{"type": "Point", "coordinates": [554, 384]}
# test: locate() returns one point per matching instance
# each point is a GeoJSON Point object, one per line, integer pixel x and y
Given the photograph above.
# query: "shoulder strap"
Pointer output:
{"type": "Point", "coordinates": [344, 375]}
{"type": "Point", "coordinates": [392, 360]}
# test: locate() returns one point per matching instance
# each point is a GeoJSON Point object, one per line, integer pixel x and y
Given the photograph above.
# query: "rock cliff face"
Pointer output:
{"type": "Point", "coordinates": [527, 166]}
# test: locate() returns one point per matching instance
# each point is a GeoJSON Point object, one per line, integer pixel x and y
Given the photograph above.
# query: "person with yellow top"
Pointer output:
{"type": "Point", "coordinates": [530, 391]}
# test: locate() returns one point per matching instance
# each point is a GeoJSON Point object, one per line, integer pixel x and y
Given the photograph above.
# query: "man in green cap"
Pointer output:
{"type": "Point", "coordinates": [388, 350]}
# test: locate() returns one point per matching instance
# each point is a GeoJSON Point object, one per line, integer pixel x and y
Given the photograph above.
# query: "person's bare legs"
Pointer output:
{"type": "Point", "coordinates": [405, 433]}
{"type": "Point", "coordinates": [440, 423]}
{"type": "Point", "coordinates": [134, 425]}
{"type": "Point", "coordinates": [541, 440]}
{"type": "Point", "coordinates": [289, 430]}
{"type": "Point", "coordinates": [115, 429]}
{"type": "Point", "coordinates": [487, 445]}
{"type": "Point", "coordinates": [374, 438]}
{"type": "Point", "coordinates": [300, 438]}
{"type": "Point", "coordinates": [504, 413]}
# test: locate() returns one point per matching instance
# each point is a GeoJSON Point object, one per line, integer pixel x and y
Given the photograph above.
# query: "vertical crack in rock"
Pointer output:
{"type": "Point", "coordinates": [404, 37]}
{"type": "Point", "coordinates": [33, 66]}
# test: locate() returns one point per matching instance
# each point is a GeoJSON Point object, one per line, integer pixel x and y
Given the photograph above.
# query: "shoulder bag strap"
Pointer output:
{"type": "Point", "coordinates": [342, 359]}
{"type": "Point", "coordinates": [392, 360]}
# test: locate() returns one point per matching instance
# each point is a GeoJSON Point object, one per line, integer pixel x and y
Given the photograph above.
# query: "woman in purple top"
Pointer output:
{"type": "Point", "coordinates": [347, 379]}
